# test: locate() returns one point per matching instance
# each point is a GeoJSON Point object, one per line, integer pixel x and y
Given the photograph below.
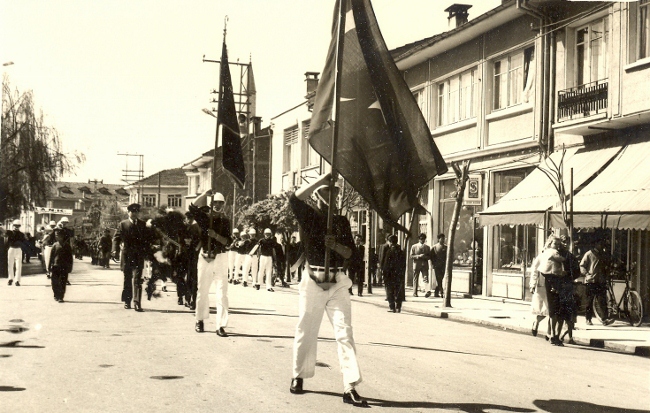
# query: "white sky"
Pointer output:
{"type": "Point", "coordinates": [127, 75]}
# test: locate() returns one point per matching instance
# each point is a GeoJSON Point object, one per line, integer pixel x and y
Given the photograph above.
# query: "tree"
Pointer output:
{"type": "Point", "coordinates": [462, 175]}
{"type": "Point", "coordinates": [274, 212]}
{"type": "Point", "coordinates": [31, 155]}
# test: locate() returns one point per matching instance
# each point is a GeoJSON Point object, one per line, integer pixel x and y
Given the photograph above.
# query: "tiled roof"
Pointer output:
{"type": "Point", "coordinates": [174, 177]}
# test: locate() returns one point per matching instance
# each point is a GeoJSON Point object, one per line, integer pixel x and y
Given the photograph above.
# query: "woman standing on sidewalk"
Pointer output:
{"type": "Point", "coordinates": [539, 302]}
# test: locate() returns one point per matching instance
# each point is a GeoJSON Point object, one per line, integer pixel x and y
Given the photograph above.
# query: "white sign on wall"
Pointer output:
{"type": "Point", "coordinates": [473, 190]}
{"type": "Point", "coordinates": [58, 211]}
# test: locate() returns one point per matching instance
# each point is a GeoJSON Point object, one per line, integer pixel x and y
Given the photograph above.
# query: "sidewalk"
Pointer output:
{"type": "Point", "coordinates": [516, 316]}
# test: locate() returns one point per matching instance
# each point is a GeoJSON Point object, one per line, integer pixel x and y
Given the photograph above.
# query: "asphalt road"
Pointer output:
{"type": "Point", "coordinates": [91, 355]}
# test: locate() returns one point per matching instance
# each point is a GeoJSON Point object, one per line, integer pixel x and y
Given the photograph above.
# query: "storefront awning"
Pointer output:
{"type": "Point", "coordinates": [527, 203]}
{"type": "Point", "coordinates": [619, 197]}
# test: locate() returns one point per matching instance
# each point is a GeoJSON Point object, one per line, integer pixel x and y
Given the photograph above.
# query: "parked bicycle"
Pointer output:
{"type": "Point", "coordinates": [628, 307]}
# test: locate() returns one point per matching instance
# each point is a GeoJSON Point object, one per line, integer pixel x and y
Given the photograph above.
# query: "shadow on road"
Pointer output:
{"type": "Point", "coordinates": [94, 302]}
{"type": "Point", "coordinates": [16, 344]}
{"type": "Point", "coordinates": [11, 388]}
{"type": "Point", "coordinates": [461, 407]}
{"type": "Point", "coordinates": [557, 406]}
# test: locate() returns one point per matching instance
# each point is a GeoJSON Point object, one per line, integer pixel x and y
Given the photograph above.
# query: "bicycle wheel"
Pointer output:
{"type": "Point", "coordinates": [634, 308]}
{"type": "Point", "coordinates": [600, 308]}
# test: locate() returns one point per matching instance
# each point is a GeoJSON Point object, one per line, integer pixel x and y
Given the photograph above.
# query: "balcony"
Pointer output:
{"type": "Point", "coordinates": [582, 101]}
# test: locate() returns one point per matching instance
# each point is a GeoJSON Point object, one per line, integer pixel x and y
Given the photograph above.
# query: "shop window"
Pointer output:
{"type": "Point", "coordinates": [515, 245]}
{"type": "Point", "coordinates": [466, 238]}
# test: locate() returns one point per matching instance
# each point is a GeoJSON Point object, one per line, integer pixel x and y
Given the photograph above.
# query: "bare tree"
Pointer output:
{"type": "Point", "coordinates": [31, 155]}
{"type": "Point", "coordinates": [462, 175]}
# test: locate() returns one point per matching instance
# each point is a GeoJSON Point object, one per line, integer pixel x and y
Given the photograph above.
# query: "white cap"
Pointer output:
{"type": "Point", "coordinates": [252, 231]}
{"type": "Point", "coordinates": [218, 196]}
{"type": "Point", "coordinates": [235, 231]}
{"type": "Point", "coordinates": [65, 219]}
{"type": "Point", "coordinates": [16, 222]}
{"type": "Point", "coordinates": [268, 231]}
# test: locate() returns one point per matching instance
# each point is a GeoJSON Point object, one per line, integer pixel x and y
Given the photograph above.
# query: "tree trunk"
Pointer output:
{"type": "Point", "coordinates": [461, 180]}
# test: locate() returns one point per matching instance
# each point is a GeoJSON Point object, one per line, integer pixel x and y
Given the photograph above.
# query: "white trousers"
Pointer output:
{"type": "Point", "coordinates": [47, 251]}
{"type": "Point", "coordinates": [313, 301]}
{"type": "Point", "coordinates": [231, 264]}
{"type": "Point", "coordinates": [250, 264]}
{"type": "Point", "coordinates": [266, 269]}
{"type": "Point", "coordinates": [208, 272]}
{"type": "Point", "coordinates": [239, 261]}
{"type": "Point", "coordinates": [15, 255]}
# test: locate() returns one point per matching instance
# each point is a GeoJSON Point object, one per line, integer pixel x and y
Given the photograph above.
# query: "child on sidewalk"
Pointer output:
{"type": "Point", "coordinates": [60, 264]}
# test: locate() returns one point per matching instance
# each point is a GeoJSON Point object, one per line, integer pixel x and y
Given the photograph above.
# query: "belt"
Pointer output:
{"type": "Point", "coordinates": [322, 269]}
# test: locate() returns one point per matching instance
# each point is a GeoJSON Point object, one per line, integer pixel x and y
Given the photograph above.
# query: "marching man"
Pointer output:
{"type": "Point", "coordinates": [213, 259]}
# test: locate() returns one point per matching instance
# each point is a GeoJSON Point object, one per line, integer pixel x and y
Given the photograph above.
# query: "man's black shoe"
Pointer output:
{"type": "Point", "coordinates": [180, 300]}
{"type": "Point", "coordinates": [127, 306]}
{"type": "Point", "coordinates": [17, 283]}
{"type": "Point", "coordinates": [296, 386]}
{"type": "Point", "coordinates": [221, 332]}
{"type": "Point", "coordinates": [391, 310]}
{"type": "Point", "coordinates": [138, 308]}
{"type": "Point", "coordinates": [198, 327]}
{"type": "Point", "coordinates": [428, 294]}
{"type": "Point", "coordinates": [352, 397]}
{"type": "Point", "coordinates": [149, 293]}
{"type": "Point", "coordinates": [67, 282]}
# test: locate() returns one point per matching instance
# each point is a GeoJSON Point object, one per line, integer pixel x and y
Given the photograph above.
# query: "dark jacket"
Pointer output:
{"type": "Point", "coordinates": [61, 257]}
{"type": "Point", "coordinates": [137, 239]}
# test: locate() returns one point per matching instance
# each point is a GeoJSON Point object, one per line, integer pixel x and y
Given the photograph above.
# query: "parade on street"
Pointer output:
{"type": "Point", "coordinates": [244, 206]}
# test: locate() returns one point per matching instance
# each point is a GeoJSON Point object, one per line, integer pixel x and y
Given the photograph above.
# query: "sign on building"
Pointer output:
{"type": "Point", "coordinates": [58, 211]}
{"type": "Point", "coordinates": [473, 190]}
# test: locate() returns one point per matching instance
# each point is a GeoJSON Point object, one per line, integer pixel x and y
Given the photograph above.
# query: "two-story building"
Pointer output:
{"type": "Point", "coordinates": [167, 188]}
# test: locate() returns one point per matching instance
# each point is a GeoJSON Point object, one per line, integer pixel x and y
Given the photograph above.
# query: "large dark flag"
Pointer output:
{"type": "Point", "coordinates": [232, 158]}
{"type": "Point", "coordinates": [384, 148]}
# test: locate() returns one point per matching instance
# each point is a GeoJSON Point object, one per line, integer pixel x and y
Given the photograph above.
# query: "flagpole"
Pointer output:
{"type": "Point", "coordinates": [335, 132]}
{"type": "Point", "coordinates": [213, 178]}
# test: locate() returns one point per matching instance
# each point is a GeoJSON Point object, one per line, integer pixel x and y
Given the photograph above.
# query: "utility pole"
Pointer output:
{"type": "Point", "coordinates": [133, 175]}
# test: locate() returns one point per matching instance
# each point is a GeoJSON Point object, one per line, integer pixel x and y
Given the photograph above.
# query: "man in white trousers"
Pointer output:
{"type": "Point", "coordinates": [267, 253]}
{"type": "Point", "coordinates": [212, 265]}
{"type": "Point", "coordinates": [232, 253]}
{"type": "Point", "coordinates": [16, 241]}
{"type": "Point", "coordinates": [321, 292]}
{"type": "Point", "coordinates": [250, 259]}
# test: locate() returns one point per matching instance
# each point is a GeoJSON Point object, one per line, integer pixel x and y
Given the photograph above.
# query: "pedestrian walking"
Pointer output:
{"type": "Point", "coordinates": [322, 291]}
{"type": "Point", "coordinates": [420, 254]}
{"type": "Point", "coordinates": [137, 240]}
{"type": "Point", "coordinates": [439, 263]}
{"type": "Point", "coordinates": [48, 242]}
{"type": "Point", "coordinates": [60, 264]}
{"type": "Point", "coordinates": [568, 310]}
{"type": "Point", "coordinates": [552, 269]}
{"type": "Point", "coordinates": [105, 244]}
{"type": "Point", "coordinates": [212, 264]}
{"type": "Point", "coordinates": [539, 300]}
{"type": "Point", "coordinates": [15, 243]}
{"type": "Point", "coordinates": [394, 271]}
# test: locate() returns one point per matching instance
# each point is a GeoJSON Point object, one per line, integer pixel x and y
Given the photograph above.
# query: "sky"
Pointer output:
{"type": "Point", "coordinates": [127, 76]}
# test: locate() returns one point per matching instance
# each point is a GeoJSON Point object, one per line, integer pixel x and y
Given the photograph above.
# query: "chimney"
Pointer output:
{"type": "Point", "coordinates": [457, 15]}
{"type": "Point", "coordinates": [257, 124]}
{"type": "Point", "coordinates": [312, 84]}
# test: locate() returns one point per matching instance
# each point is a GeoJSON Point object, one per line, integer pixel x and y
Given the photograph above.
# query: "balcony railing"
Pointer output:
{"type": "Point", "coordinates": [582, 101]}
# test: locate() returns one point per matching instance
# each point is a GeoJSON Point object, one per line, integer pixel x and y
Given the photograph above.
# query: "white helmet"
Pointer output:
{"type": "Point", "coordinates": [218, 196]}
{"type": "Point", "coordinates": [65, 219]}
{"type": "Point", "coordinates": [16, 223]}
{"type": "Point", "coordinates": [252, 231]}
{"type": "Point", "coordinates": [268, 231]}
{"type": "Point", "coordinates": [52, 223]}
{"type": "Point", "coordinates": [235, 231]}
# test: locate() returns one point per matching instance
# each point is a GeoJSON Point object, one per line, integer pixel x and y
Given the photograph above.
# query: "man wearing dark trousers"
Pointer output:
{"type": "Point", "coordinates": [593, 266]}
{"type": "Point", "coordinates": [357, 265]}
{"type": "Point", "coordinates": [439, 261]}
{"type": "Point", "coordinates": [137, 239]}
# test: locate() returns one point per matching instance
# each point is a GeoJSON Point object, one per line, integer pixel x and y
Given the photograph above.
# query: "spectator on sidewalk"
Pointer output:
{"type": "Point", "coordinates": [394, 271]}
{"type": "Point", "coordinates": [594, 266]}
{"type": "Point", "coordinates": [3, 252]}
{"type": "Point", "coordinates": [552, 269]}
{"type": "Point", "coordinates": [539, 301]}
{"type": "Point", "coordinates": [568, 310]}
{"type": "Point", "coordinates": [439, 262]}
{"type": "Point", "coordinates": [420, 254]}
{"type": "Point", "coordinates": [105, 244]}
{"type": "Point", "coordinates": [60, 264]}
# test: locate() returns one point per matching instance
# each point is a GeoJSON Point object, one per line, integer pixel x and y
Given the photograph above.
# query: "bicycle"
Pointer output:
{"type": "Point", "coordinates": [629, 306]}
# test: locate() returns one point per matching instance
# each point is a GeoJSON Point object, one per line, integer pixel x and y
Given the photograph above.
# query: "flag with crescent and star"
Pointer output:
{"type": "Point", "coordinates": [384, 150]}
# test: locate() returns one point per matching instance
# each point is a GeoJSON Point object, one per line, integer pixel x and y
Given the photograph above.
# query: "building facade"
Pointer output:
{"type": "Point", "coordinates": [167, 188]}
